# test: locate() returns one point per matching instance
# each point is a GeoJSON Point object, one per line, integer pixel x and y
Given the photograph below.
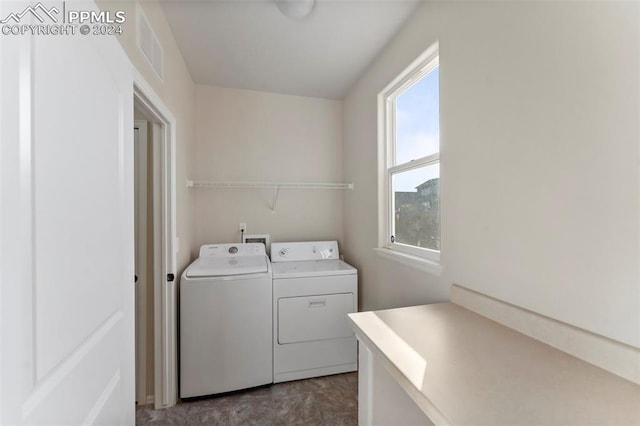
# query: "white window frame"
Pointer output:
{"type": "Point", "coordinates": [422, 258]}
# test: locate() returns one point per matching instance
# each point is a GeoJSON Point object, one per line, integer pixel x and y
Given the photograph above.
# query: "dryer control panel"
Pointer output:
{"type": "Point", "coordinates": [308, 250]}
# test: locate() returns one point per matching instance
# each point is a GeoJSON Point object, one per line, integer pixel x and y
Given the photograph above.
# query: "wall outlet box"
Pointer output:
{"type": "Point", "coordinates": [258, 238]}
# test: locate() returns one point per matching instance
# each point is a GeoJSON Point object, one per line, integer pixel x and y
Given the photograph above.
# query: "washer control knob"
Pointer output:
{"type": "Point", "coordinates": [233, 250]}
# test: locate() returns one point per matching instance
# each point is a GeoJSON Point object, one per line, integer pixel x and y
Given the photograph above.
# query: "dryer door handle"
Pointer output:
{"type": "Point", "coordinates": [318, 303]}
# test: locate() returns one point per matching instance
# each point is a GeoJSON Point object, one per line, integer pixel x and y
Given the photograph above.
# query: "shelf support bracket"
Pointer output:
{"type": "Point", "coordinates": [275, 198]}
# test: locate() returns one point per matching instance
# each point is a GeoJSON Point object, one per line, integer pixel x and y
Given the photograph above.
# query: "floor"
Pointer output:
{"type": "Point", "coordinates": [330, 400]}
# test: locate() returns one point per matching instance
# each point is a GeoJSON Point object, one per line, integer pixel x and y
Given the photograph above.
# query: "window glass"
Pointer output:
{"type": "Point", "coordinates": [416, 205]}
{"type": "Point", "coordinates": [417, 119]}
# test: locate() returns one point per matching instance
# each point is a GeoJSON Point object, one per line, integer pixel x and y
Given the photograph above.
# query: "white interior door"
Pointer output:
{"type": "Point", "coordinates": [66, 253]}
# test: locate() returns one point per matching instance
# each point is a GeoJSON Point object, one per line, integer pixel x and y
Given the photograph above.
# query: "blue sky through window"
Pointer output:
{"type": "Point", "coordinates": [418, 129]}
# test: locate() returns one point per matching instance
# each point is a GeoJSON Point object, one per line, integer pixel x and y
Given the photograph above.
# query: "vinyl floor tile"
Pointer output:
{"type": "Point", "coordinates": [321, 401]}
{"type": "Point", "coordinates": [300, 409]}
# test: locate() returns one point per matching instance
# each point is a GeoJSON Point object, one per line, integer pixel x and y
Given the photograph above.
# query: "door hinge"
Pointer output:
{"type": "Point", "coordinates": [170, 277]}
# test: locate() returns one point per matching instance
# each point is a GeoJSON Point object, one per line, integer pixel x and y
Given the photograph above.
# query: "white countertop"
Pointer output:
{"type": "Point", "coordinates": [464, 369]}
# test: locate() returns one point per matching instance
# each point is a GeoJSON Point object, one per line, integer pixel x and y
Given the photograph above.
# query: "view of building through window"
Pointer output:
{"type": "Point", "coordinates": [416, 191]}
{"type": "Point", "coordinates": [417, 211]}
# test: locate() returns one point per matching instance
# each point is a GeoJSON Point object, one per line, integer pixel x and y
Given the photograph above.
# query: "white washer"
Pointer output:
{"type": "Point", "coordinates": [313, 291]}
{"type": "Point", "coordinates": [226, 320]}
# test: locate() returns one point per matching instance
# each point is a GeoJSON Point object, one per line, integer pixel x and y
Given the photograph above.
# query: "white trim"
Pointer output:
{"type": "Point", "coordinates": [166, 381]}
{"type": "Point", "coordinates": [418, 262]}
{"type": "Point", "coordinates": [420, 252]}
{"type": "Point", "coordinates": [415, 164]}
{"type": "Point", "coordinates": [414, 256]}
{"type": "Point", "coordinates": [383, 181]}
{"type": "Point", "coordinates": [141, 149]}
{"type": "Point", "coordinates": [415, 70]}
{"type": "Point", "coordinates": [160, 354]}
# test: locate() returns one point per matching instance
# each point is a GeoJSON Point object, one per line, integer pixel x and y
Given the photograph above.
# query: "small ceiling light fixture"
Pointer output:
{"type": "Point", "coordinates": [296, 9]}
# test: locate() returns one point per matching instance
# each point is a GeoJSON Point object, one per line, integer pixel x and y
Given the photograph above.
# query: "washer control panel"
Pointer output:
{"type": "Point", "coordinates": [232, 250]}
{"type": "Point", "coordinates": [311, 250]}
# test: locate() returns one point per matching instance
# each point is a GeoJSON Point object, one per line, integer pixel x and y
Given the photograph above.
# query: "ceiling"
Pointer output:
{"type": "Point", "coordinates": [250, 44]}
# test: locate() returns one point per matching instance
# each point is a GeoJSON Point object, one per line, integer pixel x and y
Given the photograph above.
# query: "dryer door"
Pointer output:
{"type": "Point", "coordinates": [308, 318]}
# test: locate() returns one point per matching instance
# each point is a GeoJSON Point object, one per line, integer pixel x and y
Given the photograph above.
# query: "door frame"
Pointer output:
{"type": "Point", "coordinates": [165, 291]}
{"type": "Point", "coordinates": [140, 169]}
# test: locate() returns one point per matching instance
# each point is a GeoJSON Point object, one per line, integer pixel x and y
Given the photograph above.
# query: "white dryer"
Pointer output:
{"type": "Point", "coordinates": [226, 320]}
{"type": "Point", "coordinates": [313, 291]}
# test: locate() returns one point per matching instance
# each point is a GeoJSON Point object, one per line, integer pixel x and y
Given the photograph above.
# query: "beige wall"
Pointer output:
{"type": "Point", "coordinates": [539, 158]}
{"type": "Point", "coordinates": [246, 135]}
{"type": "Point", "coordinates": [540, 182]}
{"type": "Point", "coordinates": [176, 90]}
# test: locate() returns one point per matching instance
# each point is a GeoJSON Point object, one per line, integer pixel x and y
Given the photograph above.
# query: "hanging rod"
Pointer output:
{"type": "Point", "coordinates": [276, 186]}
{"type": "Point", "coordinates": [268, 185]}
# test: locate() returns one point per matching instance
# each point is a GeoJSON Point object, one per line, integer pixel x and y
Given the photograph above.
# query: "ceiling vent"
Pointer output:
{"type": "Point", "coordinates": [149, 44]}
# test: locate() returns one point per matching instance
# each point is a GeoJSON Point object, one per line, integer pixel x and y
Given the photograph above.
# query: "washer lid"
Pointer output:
{"type": "Point", "coordinates": [225, 266]}
{"type": "Point", "coordinates": [311, 268]}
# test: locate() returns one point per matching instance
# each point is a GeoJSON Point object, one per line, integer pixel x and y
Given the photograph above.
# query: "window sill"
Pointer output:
{"type": "Point", "coordinates": [423, 264]}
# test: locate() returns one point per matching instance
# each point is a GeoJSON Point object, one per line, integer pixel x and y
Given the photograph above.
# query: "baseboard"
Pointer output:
{"type": "Point", "coordinates": [615, 357]}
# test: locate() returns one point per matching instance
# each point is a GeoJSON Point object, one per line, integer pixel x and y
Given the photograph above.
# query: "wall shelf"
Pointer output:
{"type": "Point", "coordinates": [275, 186]}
